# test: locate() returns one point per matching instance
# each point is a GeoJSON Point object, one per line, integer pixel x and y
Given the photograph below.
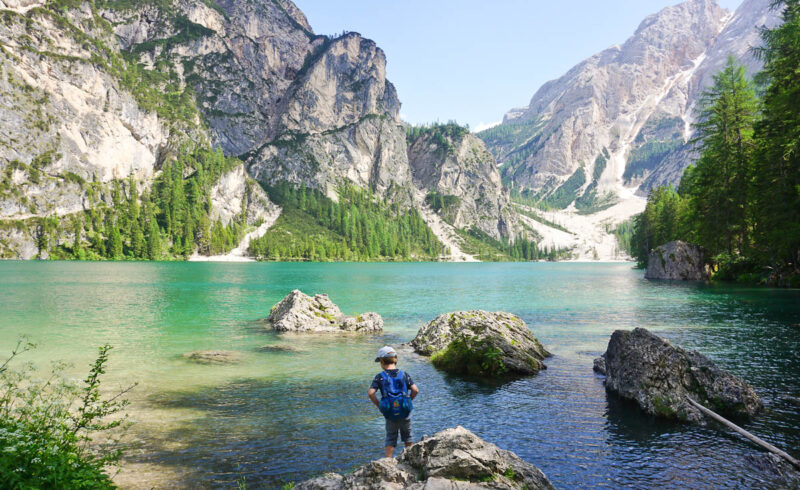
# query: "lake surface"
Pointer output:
{"type": "Point", "coordinates": [281, 417]}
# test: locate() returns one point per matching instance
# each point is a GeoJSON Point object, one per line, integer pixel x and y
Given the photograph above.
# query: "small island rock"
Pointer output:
{"type": "Point", "coordinates": [647, 369]}
{"type": "Point", "coordinates": [214, 356]}
{"type": "Point", "coordinates": [451, 459]}
{"type": "Point", "coordinates": [678, 261]}
{"type": "Point", "coordinates": [298, 312]}
{"type": "Point", "coordinates": [481, 343]}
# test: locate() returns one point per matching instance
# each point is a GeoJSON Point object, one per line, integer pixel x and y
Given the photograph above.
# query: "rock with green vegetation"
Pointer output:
{"type": "Point", "coordinates": [298, 312]}
{"type": "Point", "coordinates": [214, 357]}
{"type": "Point", "coordinates": [658, 376]}
{"type": "Point", "coordinates": [461, 179]}
{"type": "Point", "coordinates": [481, 343]}
{"type": "Point", "coordinates": [451, 459]}
{"type": "Point", "coordinates": [678, 261]}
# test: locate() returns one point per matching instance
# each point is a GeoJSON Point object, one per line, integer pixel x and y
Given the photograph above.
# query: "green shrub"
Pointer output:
{"type": "Point", "coordinates": [46, 427]}
{"type": "Point", "coordinates": [465, 356]}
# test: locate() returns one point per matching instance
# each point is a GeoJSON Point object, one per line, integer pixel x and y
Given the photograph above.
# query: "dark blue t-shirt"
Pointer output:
{"type": "Point", "coordinates": [376, 383]}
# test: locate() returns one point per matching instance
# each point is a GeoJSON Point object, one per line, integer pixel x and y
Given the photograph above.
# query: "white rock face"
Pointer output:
{"type": "Point", "coordinates": [67, 116]}
{"type": "Point", "coordinates": [628, 98]}
{"type": "Point", "coordinates": [234, 192]}
{"type": "Point", "coordinates": [21, 6]}
{"type": "Point", "coordinates": [603, 101]}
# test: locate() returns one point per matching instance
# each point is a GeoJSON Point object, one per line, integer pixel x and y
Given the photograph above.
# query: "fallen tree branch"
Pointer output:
{"type": "Point", "coordinates": [769, 447]}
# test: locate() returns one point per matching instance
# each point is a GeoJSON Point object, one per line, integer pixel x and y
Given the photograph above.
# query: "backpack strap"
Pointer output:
{"type": "Point", "coordinates": [385, 383]}
{"type": "Point", "coordinates": [402, 377]}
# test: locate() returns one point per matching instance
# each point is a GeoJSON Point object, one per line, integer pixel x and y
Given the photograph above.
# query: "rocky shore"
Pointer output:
{"type": "Point", "coordinates": [451, 459]}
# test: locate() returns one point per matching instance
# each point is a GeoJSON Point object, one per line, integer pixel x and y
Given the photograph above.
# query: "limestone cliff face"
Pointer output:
{"type": "Point", "coordinates": [633, 102]}
{"type": "Point", "coordinates": [250, 77]}
{"type": "Point", "coordinates": [66, 119]}
{"type": "Point", "coordinates": [456, 168]}
{"type": "Point", "coordinates": [294, 105]}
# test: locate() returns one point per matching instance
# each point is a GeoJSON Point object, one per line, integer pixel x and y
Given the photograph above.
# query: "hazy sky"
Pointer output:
{"type": "Point", "coordinates": [472, 60]}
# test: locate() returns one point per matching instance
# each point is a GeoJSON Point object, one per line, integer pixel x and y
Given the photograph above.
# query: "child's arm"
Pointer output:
{"type": "Point", "coordinates": [414, 391]}
{"type": "Point", "coordinates": [371, 395]}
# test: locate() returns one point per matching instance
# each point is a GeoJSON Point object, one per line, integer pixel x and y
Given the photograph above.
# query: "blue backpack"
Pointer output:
{"type": "Point", "coordinates": [395, 403]}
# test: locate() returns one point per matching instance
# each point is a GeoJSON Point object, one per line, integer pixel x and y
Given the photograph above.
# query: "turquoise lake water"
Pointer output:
{"type": "Point", "coordinates": [281, 417]}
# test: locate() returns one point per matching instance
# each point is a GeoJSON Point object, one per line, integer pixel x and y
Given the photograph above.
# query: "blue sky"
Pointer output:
{"type": "Point", "coordinates": [472, 60]}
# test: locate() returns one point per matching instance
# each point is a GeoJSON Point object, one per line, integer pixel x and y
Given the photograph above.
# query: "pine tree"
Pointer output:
{"type": "Point", "coordinates": [718, 188]}
{"type": "Point", "coordinates": [777, 183]}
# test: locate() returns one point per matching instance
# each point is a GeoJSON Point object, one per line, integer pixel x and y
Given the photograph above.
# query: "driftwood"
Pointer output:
{"type": "Point", "coordinates": [769, 447]}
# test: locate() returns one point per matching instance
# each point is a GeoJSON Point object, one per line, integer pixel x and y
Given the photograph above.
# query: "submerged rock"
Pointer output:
{"type": "Point", "coordinates": [298, 312]}
{"type": "Point", "coordinates": [451, 459]}
{"type": "Point", "coordinates": [281, 348]}
{"type": "Point", "coordinates": [214, 356]}
{"type": "Point", "coordinates": [647, 369]}
{"type": "Point", "coordinates": [678, 261]}
{"type": "Point", "coordinates": [481, 343]}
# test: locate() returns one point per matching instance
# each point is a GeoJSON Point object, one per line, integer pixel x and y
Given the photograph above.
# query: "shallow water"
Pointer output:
{"type": "Point", "coordinates": [280, 417]}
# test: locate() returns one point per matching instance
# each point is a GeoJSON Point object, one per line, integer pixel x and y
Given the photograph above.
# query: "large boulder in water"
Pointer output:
{"type": "Point", "coordinates": [679, 261]}
{"type": "Point", "coordinates": [298, 312]}
{"type": "Point", "coordinates": [451, 459]}
{"type": "Point", "coordinates": [647, 369]}
{"type": "Point", "coordinates": [481, 343]}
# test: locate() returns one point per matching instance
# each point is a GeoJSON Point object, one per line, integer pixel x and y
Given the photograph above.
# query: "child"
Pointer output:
{"type": "Point", "coordinates": [383, 382]}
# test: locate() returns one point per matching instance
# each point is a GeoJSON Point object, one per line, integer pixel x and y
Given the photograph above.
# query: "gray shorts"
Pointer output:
{"type": "Point", "coordinates": [392, 426]}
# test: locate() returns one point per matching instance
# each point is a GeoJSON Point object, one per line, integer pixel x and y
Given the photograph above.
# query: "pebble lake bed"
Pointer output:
{"type": "Point", "coordinates": [292, 407]}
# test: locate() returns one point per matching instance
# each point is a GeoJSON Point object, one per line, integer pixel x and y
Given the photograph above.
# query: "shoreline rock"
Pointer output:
{"type": "Point", "coordinates": [647, 369]}
{"type": "Point", "coordinates": [481, 343]}
{"type": "Point", "coordinates": [678, 261]}
{"type": "Point", "coordinates": [451, 459]}
{"type": "Point", "coordinates": [298, 312]}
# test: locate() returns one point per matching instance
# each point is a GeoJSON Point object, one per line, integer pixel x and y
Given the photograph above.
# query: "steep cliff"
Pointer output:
{"type": "Point", "coordinates": [460, 179]}
{"type": "Point", "coordinates": [110, 102]}
{"type": "Point", "coordinates": [631, 104]}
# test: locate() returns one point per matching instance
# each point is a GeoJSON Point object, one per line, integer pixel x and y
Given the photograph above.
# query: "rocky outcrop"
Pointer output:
{"type": "Point", "coordinates": [235, 193]}
{"type": "Point", "coordinates": [658, 376]}
{"type": "Point", "coordinates": [450, 459]}
{"type": "Point", "coordinates": [214, 357]}
{"type": "Point", "coordinates": [481, 343]}
{"type": "Point", "coordinates": [678, 261]}
{"type": "Point", "coordinates": [460, 178]}
{"type": "Point", "coordinates": [298, 312]}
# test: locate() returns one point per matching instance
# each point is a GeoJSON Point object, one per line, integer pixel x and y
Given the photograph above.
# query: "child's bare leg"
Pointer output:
{"type": "Point", "coordinates": [389, 451]}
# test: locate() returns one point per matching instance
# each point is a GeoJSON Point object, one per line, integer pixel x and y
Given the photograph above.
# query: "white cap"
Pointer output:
{"type": "Point", "coordinates": [385, 351]}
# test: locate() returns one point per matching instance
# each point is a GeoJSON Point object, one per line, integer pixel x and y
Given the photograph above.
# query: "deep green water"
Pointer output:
{"type": "Point", "coordinates": [279, 417]}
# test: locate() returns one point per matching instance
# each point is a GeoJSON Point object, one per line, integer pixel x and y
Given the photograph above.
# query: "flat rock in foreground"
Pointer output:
{"type": "Point", "coordinates": [481, 343]}
{"type": "Point", "coordinates": [647, 369]}
{"type": "Point", "coordinates": [678, 261]}
{"type": "Point", "coordinates": [451, 459]}
{"type": "Point", "coordinates": [298, 312]}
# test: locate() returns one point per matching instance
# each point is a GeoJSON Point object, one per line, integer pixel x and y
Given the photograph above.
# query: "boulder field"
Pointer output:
{"type": "Point", "coordinates": [480, 343]}
{"type": "Point", "coordinates": [643, 367]}
{"type": "Point", "coordinates": [451, 459]}
{"type": "Point", "coordinates": [298, 312]}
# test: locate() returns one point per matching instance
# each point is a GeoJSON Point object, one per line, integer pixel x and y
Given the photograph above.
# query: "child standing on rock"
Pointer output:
{"type": "Point", "coordinates": [395, 403]}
